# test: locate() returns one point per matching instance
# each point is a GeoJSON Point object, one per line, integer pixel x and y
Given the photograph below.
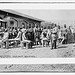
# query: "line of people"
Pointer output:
{"type": "Point", "coordinates": [31, 36]}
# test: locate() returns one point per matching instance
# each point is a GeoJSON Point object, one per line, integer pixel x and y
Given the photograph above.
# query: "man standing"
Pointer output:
{"type": "Point", "coordinates": [65, 35]}
{"type": "Point", "coordinates": [54, 36]}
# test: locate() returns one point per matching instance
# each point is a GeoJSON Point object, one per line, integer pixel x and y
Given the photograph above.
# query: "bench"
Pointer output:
{"type": "Point", "coordinates": [11, 40]}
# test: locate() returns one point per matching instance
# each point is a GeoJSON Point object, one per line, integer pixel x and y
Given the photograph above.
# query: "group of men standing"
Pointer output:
{"type": "Point", "coordinates": [45, 36]}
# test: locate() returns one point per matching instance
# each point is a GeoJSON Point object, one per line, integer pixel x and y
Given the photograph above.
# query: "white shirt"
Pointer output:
{"type": "Point", "coordinates": [55, 30]}
{"type": "Point", "coordinates": [23, 29]}
{"type": "Point", "coordinates": [23, 37]}
{"type": "Point", "coordinates": [5, 36]}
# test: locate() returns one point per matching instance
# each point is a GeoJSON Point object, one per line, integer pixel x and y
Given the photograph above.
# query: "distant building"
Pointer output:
{"type": "Point", "coordinates": [11, 18]}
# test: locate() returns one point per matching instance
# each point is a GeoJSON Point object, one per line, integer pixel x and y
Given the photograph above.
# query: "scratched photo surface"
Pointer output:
{"type": "Point", "coordinates": [43, 68]}
{"type": "Point", "coordinates": [37, 33]}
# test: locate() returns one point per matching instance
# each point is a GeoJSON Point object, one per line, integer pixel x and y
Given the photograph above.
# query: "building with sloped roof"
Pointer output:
{"type": "Point", "coordinates": [11, 18]}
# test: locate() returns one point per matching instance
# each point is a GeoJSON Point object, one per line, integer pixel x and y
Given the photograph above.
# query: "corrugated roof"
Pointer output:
{"type": "Point", "coordinates": [21, 14]}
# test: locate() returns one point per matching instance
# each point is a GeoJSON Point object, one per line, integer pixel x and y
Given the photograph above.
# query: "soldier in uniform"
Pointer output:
{"type": "Point", "coordinates": [54, 37]}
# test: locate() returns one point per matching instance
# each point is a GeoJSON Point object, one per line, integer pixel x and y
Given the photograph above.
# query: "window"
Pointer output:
{"type": "Point", "coordinates": [11, 22]}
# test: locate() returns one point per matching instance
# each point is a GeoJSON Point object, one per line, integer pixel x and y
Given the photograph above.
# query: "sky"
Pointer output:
{"type": "Point", "coordinates": [57, 15]}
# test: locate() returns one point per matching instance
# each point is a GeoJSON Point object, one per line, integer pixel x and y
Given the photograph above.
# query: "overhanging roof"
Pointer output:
{"type": "Point", "coordinates": [2, 20]}
{"type": "Point", "coordinates": [21, 14]}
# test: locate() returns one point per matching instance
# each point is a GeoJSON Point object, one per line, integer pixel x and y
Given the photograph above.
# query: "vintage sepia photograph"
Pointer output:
{"type": "Point", "coordinates": [37, 33]}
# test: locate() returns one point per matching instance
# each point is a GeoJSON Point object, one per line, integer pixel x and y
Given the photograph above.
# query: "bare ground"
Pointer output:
{"type": "Point", "coordinates": [39, 52]}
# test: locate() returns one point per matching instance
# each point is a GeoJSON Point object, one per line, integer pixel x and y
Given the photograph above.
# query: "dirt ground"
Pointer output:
{"type": "Point", "coordinates": [39, 52]}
